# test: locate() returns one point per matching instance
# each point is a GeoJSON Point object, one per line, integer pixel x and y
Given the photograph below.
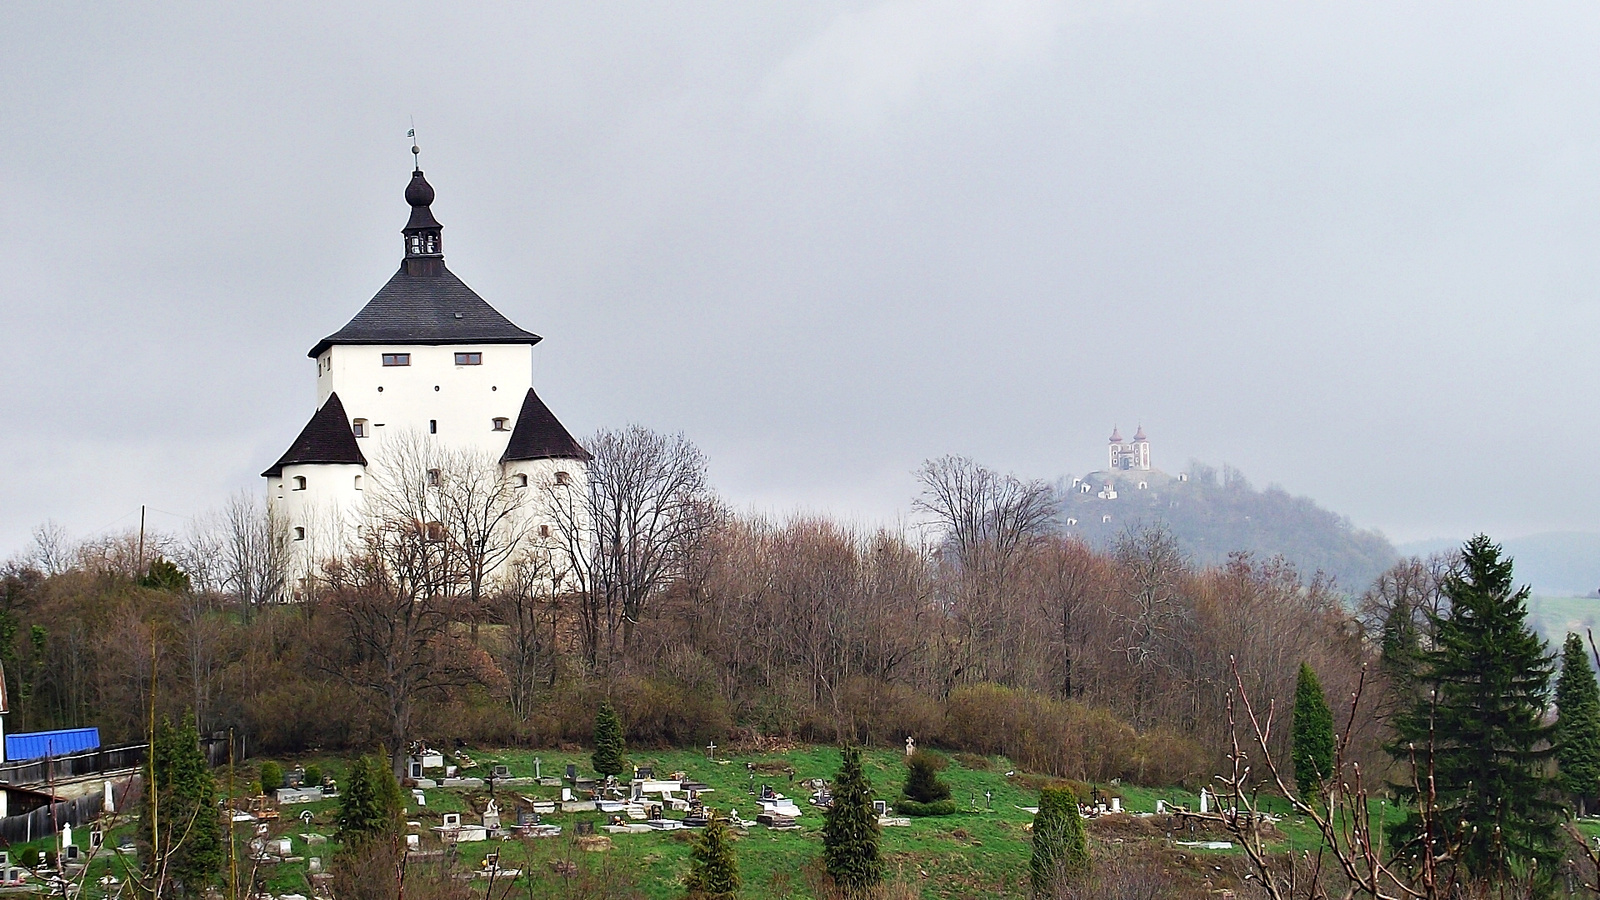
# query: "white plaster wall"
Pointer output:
{"type": "Point", "coordinates": [329, 509]}
{"type": "Point", "coordinates": [463, 400]}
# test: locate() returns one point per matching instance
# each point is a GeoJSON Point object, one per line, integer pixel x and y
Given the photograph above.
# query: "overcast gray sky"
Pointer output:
{"type": "Point", "coordinates": [1349, 248]}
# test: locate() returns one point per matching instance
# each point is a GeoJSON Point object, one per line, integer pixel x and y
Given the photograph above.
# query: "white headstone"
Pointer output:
{"type": "Point", "coordinates": [911, 745]}
{"type": "Point", "coordinates": [66, 835]}
{"type": "Point", "coordinates": [1116, 804]}
{"type": "Point", "coordinates": [1161, 807]}
{"type": "Point", "coordinates": [110, 804]}
{"type": "Point", "coordinates": [1205, 801]}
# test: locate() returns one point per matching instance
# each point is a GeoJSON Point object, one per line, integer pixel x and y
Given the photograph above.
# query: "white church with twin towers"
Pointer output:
{"type": "Point", "coordinates": [426, 370]}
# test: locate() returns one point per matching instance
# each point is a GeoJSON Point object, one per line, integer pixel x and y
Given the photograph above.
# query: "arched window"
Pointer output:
{"type": "Point", "coordinates": [501, 423]}
{"type": "Point", "coordinates": [358, 482]}
{"type": "Point", "coordinates": [359, 426]}
{"type": "Point", "coordinates": [563, 478]}
{"type": "Point", "coordinates": [299, 483]}
{"type": "Point", "coordinates": [299, 534]}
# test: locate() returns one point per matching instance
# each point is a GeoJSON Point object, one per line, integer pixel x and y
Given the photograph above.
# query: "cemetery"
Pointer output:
{"type": "Point", "coordinates": [495, 818]}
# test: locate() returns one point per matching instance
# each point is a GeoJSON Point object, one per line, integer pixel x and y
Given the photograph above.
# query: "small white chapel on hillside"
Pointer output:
{"type": "Point", "coordinates": [426, 362]}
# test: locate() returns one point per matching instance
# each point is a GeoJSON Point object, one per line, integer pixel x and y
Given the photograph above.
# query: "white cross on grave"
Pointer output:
{"type": "Point", "coordinates": [711, 750]}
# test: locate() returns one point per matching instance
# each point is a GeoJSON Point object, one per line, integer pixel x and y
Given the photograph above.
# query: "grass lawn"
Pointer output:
{"type": "Point", "coordinates": [981, 851]}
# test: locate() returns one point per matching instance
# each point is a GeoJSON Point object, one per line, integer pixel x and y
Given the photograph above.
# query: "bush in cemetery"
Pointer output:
{"type": "Point", "coordinates": [182, 825]}
{"type": "Point", "coordinates": [1312, 733]}
{"type": "Point", "coordinates": [850, 836]}
{"type": "Point", "coordinates": [370, 805]}
{"type": "Point", "coordinates": [1060, 847]}
{"type": "Point", "coordinates": [713, 868]}
{"type": "Point", "coordinates": [1578, 724]}
{"type": "Point", "coordinates": [271, 776]}
{"type": "Point", "coordinates": [313, 776]}
{"type": "Point", "coordinates": [608, 758]}
{"type": "Point", "coordinates": [925, 794]}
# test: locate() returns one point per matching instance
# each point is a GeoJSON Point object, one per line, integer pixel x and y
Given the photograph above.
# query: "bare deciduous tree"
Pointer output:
{"type": "Point", "coordinates": [627, 530]}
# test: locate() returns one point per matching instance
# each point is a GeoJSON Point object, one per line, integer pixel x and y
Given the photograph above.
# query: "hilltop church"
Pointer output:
{"type": "Point", "coordinates": [427, 362]}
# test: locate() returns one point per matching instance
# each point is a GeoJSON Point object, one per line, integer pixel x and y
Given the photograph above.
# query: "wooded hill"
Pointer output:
{"type": "Point", "coordinates": [1214, 513]}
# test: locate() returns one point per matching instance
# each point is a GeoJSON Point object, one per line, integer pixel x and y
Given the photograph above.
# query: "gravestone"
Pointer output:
{"type": "Point", "coordinates": [911, 745]}
{"type": "Point", "coordinates": [572, 772]}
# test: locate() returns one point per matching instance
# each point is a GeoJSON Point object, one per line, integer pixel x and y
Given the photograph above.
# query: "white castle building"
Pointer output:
{"type": "Point", "coordinates": [1130, 455]}
{"type": "Point", "coordinates": [426, 363]}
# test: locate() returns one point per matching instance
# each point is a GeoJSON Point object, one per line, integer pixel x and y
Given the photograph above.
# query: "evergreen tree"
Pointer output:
{"type": "Point", "coordinates": [713, 869]}
{"type": "Point", "coordinates": [182, 825]}
{"type": "Point", "coordinates": [1578, 724]}
{"type": "Point", "coordinates": [1399, 656]}
{"type": "Point", "coordinates": [1312, 733]}
{"type": "Point", "coordinates": [370, 805]}
{"type": "Point", "coordinates": [164, 575]}
{"type": "Point", "coordinates": [1490, 676]}
{"type": "Point", "coordinates": [850, 835]}
{"type": "Point", "coordinates": [1060, 847]}
{"type": "Point", "coordinates": [608, 747]}
{"type": "Point", "coordinates": [923, 784]}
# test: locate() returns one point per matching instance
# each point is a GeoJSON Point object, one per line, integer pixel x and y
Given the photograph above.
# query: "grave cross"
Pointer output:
{"type": "Point", "coordinates": [711, 751]}
{"type": "Point", "coordinates": [537, 772]}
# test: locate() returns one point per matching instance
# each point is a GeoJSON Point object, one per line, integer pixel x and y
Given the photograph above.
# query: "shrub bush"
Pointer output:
{"type": "Point", "coordinates": [271, 776]}
{"type": "Point", "coordinates": [1064, 738]}
{"type": "Point", "coordinates": [923, 785]}
{"type": "Point", "coordinates": [313, 775]}
{"type": "Point", "coordinates": [907, 807]}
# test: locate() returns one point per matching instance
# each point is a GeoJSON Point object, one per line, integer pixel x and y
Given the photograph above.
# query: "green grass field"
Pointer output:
{"type": "Point", "coordinates": [982, 851]}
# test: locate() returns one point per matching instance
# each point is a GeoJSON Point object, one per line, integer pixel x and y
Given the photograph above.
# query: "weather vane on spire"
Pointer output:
{"type": "Point", "coordinates": [416, 153]}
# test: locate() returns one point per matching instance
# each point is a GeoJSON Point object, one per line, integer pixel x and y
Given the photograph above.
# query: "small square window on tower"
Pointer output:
{"type": "Point", "coordinates": [469, 359]}
{"type": "Point", "coordinates": [397, 359]}
{"type": "Point", "coordinates": [501, 423]}
{"type": "Point", "coordinates": [563, 478]}
{"type": "Point", "coordinates": [359, 426]}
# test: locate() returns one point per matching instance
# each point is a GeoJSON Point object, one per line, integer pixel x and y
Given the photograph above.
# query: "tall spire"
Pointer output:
{"type": "Point", "coordinates": [424, 245]}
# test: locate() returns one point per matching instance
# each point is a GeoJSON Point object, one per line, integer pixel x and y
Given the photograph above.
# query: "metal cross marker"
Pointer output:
{"type": "Point", "coordinates": [711, 750]}
{"type": "Point", "coordinates": [305, 816]}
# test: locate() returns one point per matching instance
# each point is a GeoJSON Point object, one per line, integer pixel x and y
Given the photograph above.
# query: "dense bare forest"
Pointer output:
{"type": "Point", "coordinates": [987, 630]}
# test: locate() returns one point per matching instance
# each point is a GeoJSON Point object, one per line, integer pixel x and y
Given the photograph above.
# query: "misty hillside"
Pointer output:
{"type": "Point", "coordinates": [1556, 563]}
{"type": "Point", "coordinates": [1214, 514]}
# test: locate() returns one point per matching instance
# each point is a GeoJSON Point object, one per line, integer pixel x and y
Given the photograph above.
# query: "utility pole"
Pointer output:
{"type": "Point", "coordinates": [141, 540]}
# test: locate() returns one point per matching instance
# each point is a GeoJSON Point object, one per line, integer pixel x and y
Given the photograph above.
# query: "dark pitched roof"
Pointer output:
{"type": "Point", "coordinates": [539, 435]}
{"type": "Point", "coordinates": [427, 309]}
{"type": "Point", "coordinates": [327, 438]}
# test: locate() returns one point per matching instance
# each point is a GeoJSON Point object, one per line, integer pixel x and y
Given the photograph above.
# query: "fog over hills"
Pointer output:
{"type": "Point", "coordinates": [1215, 513]}
{"type": "Point", "coordinates": [1555, 563]}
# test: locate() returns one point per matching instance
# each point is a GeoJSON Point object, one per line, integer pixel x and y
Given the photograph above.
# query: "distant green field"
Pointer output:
{"type": "Point", "coordinates": [1553, 617]}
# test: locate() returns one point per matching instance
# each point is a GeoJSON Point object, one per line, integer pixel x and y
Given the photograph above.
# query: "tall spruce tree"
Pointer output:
{"type": "Point", "coordinates": [713, 868]}
{"type": "Point", "coordinates": [608, 746]}
{"type": "Point", "coordinates": [1312, 733]}
{"type": "Point", "coordinates": [1578, 724]}
{"type": "Point", "coordinates": [1060, 847]}
{"type": "Point", "coordinates": [370, 805]}
{"type": "Point", "coordinates": [183, 825]}
{"type": "Point", "coordinates": [850, 835]}
{"type": "Point", "coordinates": [1482, 736]}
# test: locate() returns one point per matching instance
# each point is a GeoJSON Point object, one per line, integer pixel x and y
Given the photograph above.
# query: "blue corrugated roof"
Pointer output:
{"type": "Point", "coordinates": [36, 744]}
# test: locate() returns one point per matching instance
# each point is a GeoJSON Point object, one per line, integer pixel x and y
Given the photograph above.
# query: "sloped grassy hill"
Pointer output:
{"type": "Point", "coordinates": [1213, 515]}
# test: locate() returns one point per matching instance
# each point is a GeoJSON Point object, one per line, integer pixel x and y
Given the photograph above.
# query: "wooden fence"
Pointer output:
{"type": "Point", "coordinates": [37, 772]}
{"type": "Point", "coordinates": [47, 820]}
